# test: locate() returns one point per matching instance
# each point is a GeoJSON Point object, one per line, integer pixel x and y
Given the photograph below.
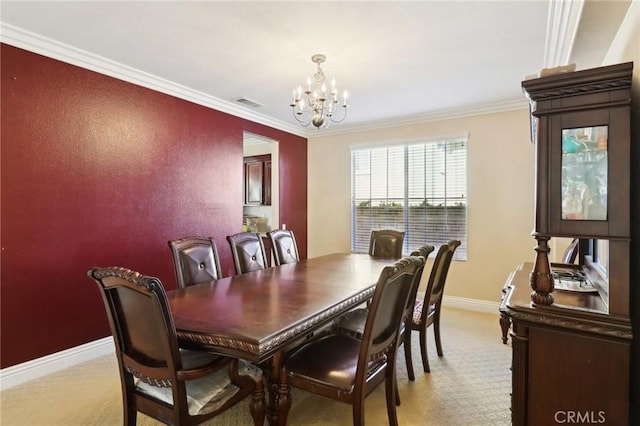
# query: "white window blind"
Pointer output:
{"type": "Point", "coordinates": [420, 189]}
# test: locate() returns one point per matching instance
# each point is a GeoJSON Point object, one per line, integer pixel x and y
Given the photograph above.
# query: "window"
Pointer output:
{"type": "Point", "coordinates": [419, 188]}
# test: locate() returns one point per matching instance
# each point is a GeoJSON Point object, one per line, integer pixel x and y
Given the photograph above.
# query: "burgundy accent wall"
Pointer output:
{"type": "Point", "coordinates": [100, 172]}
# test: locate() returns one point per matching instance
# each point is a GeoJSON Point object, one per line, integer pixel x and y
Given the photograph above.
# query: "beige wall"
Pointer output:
{"type": "Point", "coordinates": [625, 48]}
{"type": "Point", "coordinates": [500, 195]}
{"type": "Point", "coordinates": [500, 184]}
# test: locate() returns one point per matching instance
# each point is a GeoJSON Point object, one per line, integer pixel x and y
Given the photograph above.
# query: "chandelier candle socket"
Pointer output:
{"type": "Point", "coordinates": [316, 105]}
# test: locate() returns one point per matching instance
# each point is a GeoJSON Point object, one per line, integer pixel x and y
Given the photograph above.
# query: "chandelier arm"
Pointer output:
{"type": "Point", "coordinates": [305, 122]}
{"type": "Point", "coordinates": [343, 117]}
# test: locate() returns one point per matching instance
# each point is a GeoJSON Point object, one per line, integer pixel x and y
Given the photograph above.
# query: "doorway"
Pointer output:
{"type": "Point", "coordinates": [266, 215]}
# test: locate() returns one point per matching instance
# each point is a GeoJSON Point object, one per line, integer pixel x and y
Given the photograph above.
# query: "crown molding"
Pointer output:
{"type": "Point", "coordinates": [562, 26]}
{"type": "Point", "coordinates": [18, 37]}
{"type": "Point", "coordinates": [440, 115]}
{"type": "Point", "coordinates": [23, 39]}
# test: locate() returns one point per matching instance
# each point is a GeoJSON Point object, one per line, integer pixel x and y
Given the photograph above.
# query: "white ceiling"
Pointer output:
{"type": "Point", "coordinates": [399, 60]}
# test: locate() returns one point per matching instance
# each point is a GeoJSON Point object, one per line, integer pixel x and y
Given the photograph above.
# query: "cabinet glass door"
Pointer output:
{"type": "Point", "coordinates": [584, 173]}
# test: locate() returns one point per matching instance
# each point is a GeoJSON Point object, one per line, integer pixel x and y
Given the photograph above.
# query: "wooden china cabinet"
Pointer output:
{"type": "Point", "coordinates": [570, 323]}
{"type": "Point", "coordinates": [257, 180]}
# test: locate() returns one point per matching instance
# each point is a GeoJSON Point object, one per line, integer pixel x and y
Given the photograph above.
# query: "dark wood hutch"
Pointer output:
{"type": "Point", "coordinates": [571, 330]}
{"type": "Point", "coordinates": [257, 180]}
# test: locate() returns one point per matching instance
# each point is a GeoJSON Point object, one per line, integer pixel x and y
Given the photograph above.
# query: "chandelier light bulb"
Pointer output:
{"type": "Point", "coordinates": [314, 105]}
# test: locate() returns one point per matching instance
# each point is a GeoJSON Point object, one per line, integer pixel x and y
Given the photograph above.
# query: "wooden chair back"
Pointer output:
{"type": "Point", "coordinates": [571, 252]}
{"type": "Point", "coordinates": [195, 260]}
{"type": "Point", "coordinates": [284, 246]}
{"type": "Point", "coordinates": [380, 336]}
{"type": "Point", "coordinates": [424, 252]}
{"type": "Point", "coordinates": [439, 272]}
{"type": "Point", "coordinates": [247, 250]}
{"type": "Point", "coordinates": [386, 243]}
{"type": "Point", "coordinates": [139, 316]}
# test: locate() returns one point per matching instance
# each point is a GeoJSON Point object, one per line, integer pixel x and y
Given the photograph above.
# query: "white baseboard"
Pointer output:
{"type": "Point", "coordinates": [471, 304]}
{"type": "Point", "coordinates": [31, 370]}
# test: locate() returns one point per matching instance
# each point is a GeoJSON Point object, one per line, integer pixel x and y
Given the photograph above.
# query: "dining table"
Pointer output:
{"type": "Point", "coordinates": [260, 316]}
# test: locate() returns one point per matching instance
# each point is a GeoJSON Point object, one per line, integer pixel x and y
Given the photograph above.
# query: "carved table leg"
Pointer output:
{"type": "Point", "coordinates": [279, 392]}
{"type": "Point", "coordinates": [272, 409]}
{"type": "Point", "coordinates": [505, 324]}
{"type": "Point", "coordinates": [257, 405]}
{"type": "Point", "coordinates": [284, 399]}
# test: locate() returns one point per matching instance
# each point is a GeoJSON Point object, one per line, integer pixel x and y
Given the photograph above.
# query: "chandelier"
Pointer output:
{"type": "Point", "coordinates": [317, 104]}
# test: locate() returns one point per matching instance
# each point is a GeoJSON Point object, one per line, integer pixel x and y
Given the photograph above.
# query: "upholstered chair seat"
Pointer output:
{"type": "Point", "coordinates": [416, 318]}
{"type": "Point", "coordinates": [331, 362]}
{"type": "Point", "coordinates": [206, 394]}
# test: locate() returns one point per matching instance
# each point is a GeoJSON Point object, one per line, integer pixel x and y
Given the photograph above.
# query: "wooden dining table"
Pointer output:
{"type": "Point", "coordinates": [260, 316]}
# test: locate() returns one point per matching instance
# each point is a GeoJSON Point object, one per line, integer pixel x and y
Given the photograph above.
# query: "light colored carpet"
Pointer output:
{"type": "Point", "coordinates": [470, 385]}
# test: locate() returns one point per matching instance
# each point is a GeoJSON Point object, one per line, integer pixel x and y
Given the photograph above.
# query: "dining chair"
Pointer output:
{"type": "Point", "coordinates": [195, 260]}
{"type": "Point", "coordinates": [353, 322]}
{"type": "Point", "coordinates": [427, 309]}
{"type": "Point", "coordinates": [283, 244]}
{"type": "Point", "coordinates": [571, 252]}
{"type": "Point", "coordinates": [386, 243]}
{"type": "Point", "coordinates": [247, 250]}
{"type": "Point", "coordinates": [172, 385]}
{"type": "Point", "coordinates": [347, 369]}
{"type": "Point", "coordinates": [405, 334]}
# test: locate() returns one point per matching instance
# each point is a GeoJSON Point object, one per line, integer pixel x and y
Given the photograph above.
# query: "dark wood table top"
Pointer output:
{"type": "Point", "coordinates": [257, 314]}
